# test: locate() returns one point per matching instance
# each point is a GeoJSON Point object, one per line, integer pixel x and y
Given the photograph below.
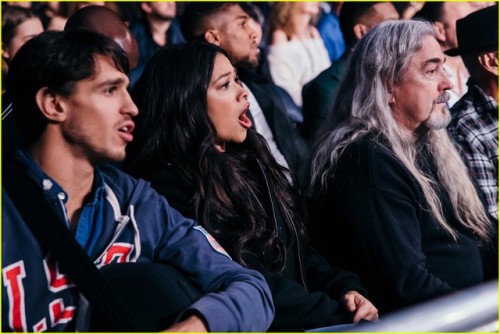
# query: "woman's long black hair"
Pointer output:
{"type": "Point", "coordinates": [231, 199]}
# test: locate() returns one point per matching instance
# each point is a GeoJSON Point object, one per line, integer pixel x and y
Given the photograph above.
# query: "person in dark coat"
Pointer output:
{"type": "Point", "coordinates": [356, 19]}
{"type": "Point", "coordinates": [403, 212]}
{"type": "Point", "coordinates": [158, 27]}
{"type": "Point", "coordinates": [196, 145]}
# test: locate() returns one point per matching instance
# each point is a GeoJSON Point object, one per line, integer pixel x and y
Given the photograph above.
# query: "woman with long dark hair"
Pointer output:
{"type": "Point", "coordinates": [194, 142]}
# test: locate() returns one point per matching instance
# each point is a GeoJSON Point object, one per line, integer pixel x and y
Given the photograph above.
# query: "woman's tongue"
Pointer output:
{"type": "Point", "coordinates": [245, 121]}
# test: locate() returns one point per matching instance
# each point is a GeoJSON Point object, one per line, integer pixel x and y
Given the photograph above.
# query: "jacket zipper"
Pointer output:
{"type": "Point", "coordinates": [289, 219]}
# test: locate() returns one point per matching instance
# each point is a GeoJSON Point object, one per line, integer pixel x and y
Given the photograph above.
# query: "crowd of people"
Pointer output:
{"type": "Point", "coordinates": [301, 166]}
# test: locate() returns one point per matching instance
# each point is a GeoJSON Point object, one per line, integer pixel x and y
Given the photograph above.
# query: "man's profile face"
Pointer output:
{"type": "Point", "coordinates": [237, 36]}
{"type": "Point", "coordinates": [98, 125]}
{"type": "Point", "coordinates": [453, 11]}
{"type": "Point", "coordinates": [419, 101]}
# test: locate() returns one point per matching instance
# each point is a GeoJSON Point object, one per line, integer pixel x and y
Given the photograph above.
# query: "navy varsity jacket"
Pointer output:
{"type": "Point", "coordinates": [138, 225]}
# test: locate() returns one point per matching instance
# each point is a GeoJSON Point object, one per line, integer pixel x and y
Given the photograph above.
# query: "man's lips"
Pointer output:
{"type": "Point", "coordinates": [125, 131]}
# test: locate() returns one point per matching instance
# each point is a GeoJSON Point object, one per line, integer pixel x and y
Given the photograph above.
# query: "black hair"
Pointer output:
{"type": "Point", "coordinates": [56, 60]}
{"type": "Point", "coordinates": [174, 128]}
{"type": "Point", "coordinates": [252, 11]}
{"type": "Point", "coordinates": [193, 18]}
{"type": "Point", "coordinates": [431, 11]}
{"type": "Point", "coordinates": [350, 12]}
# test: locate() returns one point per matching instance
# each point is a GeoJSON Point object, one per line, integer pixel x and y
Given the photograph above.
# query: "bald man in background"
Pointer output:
{"type": "Point", "coordinates": [105, 21]}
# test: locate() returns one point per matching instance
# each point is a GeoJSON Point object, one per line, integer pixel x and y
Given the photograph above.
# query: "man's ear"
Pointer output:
{"type": "Point", "coordinates": [440, 31]}
{"type": "Point", "coordinates": [212, 36]}
{"type": "Point", "coordinates": [390, 98]}
{"type": "Point", "coordinates": [390, 93]}
{"type": "Point", "coordinates": [50, 105]}
{"type": "Point", "coordinates": [5, 54]}
{"type": "Point", "coordinates": [360, 30]}
{"type": "Point", "coordinates": [489, 61]}
{"type": "Point", "coordinates": [146, 8]}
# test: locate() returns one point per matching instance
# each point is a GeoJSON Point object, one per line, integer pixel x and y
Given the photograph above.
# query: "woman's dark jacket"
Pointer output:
{"type": "Point", "coordinates": [306, 293]}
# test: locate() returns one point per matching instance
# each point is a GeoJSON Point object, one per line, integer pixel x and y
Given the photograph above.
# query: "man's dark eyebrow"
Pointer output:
{"type": "Point", "coordinates": [111, 82]}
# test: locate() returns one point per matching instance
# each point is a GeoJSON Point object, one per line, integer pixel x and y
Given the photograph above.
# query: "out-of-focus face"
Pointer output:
{"type": "Point", "coordinates": [311, 8]}
{"type": "Point", "coordinates": [227, 104]}
{"type": "Point", "coordinates": [419, 102]}
{"type": "Point", "coordinates": [381, 12]}
{"type": "Point", "coordinates": [163, 10]}
{"type": "Point", "coordinates": [237, 36]}
{"type": "Point", "coordinates": [253, 24]}
{"type": "Point", "coordinates": [99, 123]}
{"type": "Point", "coordinates": [453, 11]}
{"type": "Point", "coordinates": [24, 4]}
{"type": "Point", "coordinates": [24, 32]}
{"type": "Point", "coordinates": [91, 3]}
{"type": "Point", "coordinates": [377, 13]}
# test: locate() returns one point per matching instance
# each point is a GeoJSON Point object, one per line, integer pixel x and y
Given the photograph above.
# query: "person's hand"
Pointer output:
{"type": "Point", "coordinates": [363, 308]}
{"type": "Point", "coordinates": [411, 9]}
{"type": "Point", "coordinates": [192, 324]}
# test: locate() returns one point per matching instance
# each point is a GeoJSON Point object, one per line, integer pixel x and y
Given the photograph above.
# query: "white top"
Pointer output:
{"type": "Point", "coordinates": [295, 63]}
{"type": "Point", "coordinates": [261, 126]}
{"type": "Point", "coordinates": [459, 86]}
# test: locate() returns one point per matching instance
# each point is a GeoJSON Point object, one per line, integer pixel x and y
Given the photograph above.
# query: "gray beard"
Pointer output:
{"type": "Point", "coordinates": [438, 119]}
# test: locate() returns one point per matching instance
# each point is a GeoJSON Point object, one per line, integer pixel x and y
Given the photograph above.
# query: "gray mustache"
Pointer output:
{"type": "Point", "coordinates": [442, 98]}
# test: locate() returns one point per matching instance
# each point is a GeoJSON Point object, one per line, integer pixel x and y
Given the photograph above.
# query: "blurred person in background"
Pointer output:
{"type": "Point", "coordinates": [19, 25]}
{"type": "Point", "coordinates": [296, 52]}
{"type": "Point", "coordinates": [157, 28]}
{"type": "Point", "coordinates": [356, 19]}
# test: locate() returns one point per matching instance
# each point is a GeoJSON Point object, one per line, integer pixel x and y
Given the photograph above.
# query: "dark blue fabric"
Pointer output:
{"type": "Point", "coordinates": [329, 29]}
{"type": "Point", "coordinates": [147, 45]}
{"type": "Point", "coordinates": [140, 226]}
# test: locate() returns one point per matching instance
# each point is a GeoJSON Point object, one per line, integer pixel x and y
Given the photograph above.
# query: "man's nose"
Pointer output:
{"type": "Point", "coordinates": [129, 106]}
{"type": "Point", "coordinates": [445, 83]}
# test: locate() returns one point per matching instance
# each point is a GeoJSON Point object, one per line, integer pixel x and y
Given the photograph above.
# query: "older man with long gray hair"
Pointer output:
{"type": "Point", "coordinates": [404, 214]}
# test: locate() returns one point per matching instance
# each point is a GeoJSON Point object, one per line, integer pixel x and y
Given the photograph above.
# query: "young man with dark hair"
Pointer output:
{"type": "Point", "coordinates": [69, 90]}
